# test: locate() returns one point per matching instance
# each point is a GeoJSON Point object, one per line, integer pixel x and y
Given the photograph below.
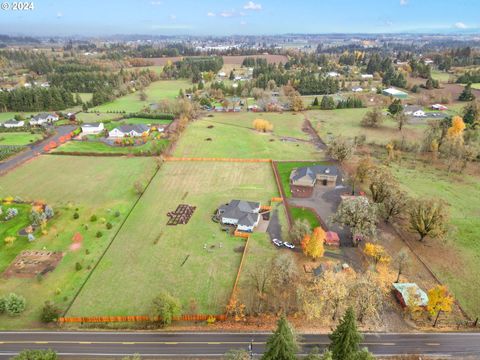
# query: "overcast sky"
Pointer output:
{"type": "Point", "coordinates": [225, 17]}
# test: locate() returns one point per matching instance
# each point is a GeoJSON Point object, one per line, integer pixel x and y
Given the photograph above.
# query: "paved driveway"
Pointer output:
{"type": "Point", "coordinates": [33, 150]}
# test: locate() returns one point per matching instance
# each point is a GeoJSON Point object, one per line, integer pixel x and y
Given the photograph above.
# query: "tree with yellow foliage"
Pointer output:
{"type": "Point", "coordinates": [439, 299]}
{"type": "Point", "coordinates": [314, 247]}
{"type": "Point", "coordinates": [456, 130]}
{"type": "Point", "coordinates": [376, 253]}
{"type": "Point", "coordinates": [262, 125]}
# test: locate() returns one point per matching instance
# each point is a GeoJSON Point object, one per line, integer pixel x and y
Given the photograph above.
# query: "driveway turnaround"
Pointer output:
{"type": "Point", "coordinates": [171, 345]}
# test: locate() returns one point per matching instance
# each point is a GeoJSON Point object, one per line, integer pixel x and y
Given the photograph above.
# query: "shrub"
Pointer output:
{"type": "Point", "coordinates": [36, 355]}
{"type": "Point", "coordinates": [78, 266]}
{"type": "Point", "coordinates": [109, 225]}
{"type": "Point", "coordinates": [76, 215]}
{"type": "Point", "coordinates": [93, 218]}
{"type": "Point", "coordinates": [117, 213]}
{"type": "Point", "coordinates": [14, 304]}
{"type": "Point", "coordinates": [99, 234]}
{"type": "Point", "coordinates": [50, 312]}
{"type": "Point", "coordinates": [2, 305]}
{"type": "Point", "coordinates": [9, 240]}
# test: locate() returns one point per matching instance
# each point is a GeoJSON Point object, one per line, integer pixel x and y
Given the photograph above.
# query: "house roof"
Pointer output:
{"type": "Point", "coordinates": [139, 128]}
{"type": "Point", "coordinates": [43, 116]}
{"type": "Point", "coordinates": [406, 289]}
{"type": "Point", "coordinates": [412, 108]}
{"type": "Point", "coordinates": [312, 172]}
{"type": "Point", "coordinates": [241, 210]}
{"type": "Point", "coordinates": [11, 122]}
{"type": "Point", "coordinates": [91, 125]}
{"type": "Point", "coordinates": [394, 91]}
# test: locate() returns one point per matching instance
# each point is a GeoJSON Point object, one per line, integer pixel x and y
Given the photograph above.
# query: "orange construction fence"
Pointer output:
{"type": "Point", "coordinates": [265, 207]}
{"type": "Point", "coordinates": [169, 158]}
{"type": "Point", "coordinates": [241, 234]}
{"type": "Point", "coordinates": [141, 318]}
{"type": "Point", "coordinates": [276, 199]}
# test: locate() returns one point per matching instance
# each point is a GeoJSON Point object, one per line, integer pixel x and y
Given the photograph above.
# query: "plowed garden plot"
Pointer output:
{"type": "Point", "coordinates": [195, 262]}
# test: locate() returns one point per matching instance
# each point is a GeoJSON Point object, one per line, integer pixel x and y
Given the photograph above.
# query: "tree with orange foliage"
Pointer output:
{"type": "Point", "coordinates": [262, 125]}
{"type": "Point", "coordinates": [314, 247]}
{"type": "Point", "coordinates": [306, 239]}
{"type": "Point", "coordinates": [439, 299]}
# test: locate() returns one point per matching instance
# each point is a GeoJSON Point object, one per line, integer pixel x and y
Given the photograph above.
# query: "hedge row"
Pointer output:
{"type": "Point", "coordinates": [161, 116]}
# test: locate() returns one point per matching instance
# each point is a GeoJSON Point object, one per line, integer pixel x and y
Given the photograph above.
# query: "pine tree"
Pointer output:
{"type": "Point", "coordinates": [281, 345]}
{"type": "Point", "coordinates": [345, 338]}
{"type": "Point", "coordinates": [315, 101]}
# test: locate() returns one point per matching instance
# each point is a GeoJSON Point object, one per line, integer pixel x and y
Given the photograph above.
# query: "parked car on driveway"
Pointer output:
{"type": "Point", "coordinates": [277, 242]}
{"type": "Point", "coordinates": [288, 245]}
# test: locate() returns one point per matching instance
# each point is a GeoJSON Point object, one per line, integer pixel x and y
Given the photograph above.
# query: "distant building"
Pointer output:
{"type": "Point", "coordinates": [395, 93]}
{"type": "Point", "coordinates": [309, 175]}
{"type": "Point", "coordinates": [129, 130]}
{"type": "Point", "coordinates": [43, 118]}
{"type": "Point", "coordinates": [92, 128]}
{"type": "Point", "coordinates": [439, 107]}
{"type": "Point", "coordinates": [366, 76]}
{"type": "Point", "coordinates": [333, 74]}
{"type": "Point", "coordinates": [12, 123]}
{"type": "Point", "coordinates": [414, 110]}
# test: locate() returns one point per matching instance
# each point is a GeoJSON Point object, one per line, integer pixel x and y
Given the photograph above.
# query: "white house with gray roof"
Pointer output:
{"type": "Point", "coordinates": [12, 123]}
{"type": "Point", "coordinates": [129, 130]}
{"type": "Point", "coordinates": [43, 118]}
{"type": "Point", "coordinates": [92, 128]}
{"type": "Point", "coordinates": [244, 214]}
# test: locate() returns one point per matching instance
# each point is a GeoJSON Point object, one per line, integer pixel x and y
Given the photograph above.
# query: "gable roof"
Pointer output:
{"type": "Point", "coordinates": [405, 289]}
{"type": "Point", "coordinates": [12, 122]}
{"type": "Point", "coordinates": [312, 172]}
{"type": "Point", "coordinates": [241, 210]}
{"type": "Point", "coordinates": [91, 125]}
{"type": "Point", "coordinates": [43, 116]}
{"type": "Point", "coordinates": [139, 128]}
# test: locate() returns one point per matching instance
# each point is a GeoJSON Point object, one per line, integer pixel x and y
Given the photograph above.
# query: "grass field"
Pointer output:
{"type": "Point", "coordinates": [462, 193]}
{"type": "Point", "coordinates": [146, 256]}
{"type": "Point", "coordinates": [165, 89]}
{"type": "Point", "coordinates": [86, 96]}
{"type": "Point", "coordinates": [346, 122]}
{"type": "Point", "coordinates": [476, 85]}
{"type": "Point", "coordinates": [232, 136]}
{"type": "Point", "coordinates": [18, 138]}
{"type": "Point", "coordinates": [285, 169]}
{"type": "Point", "coordinates": [305, 214]}
{"type": "Point", "coordinates": [4, 116]}
{"type": "Point", "coordinates": [441, 76]}
{"type": "Point", "coordinates": [101, 148]}
{"type": "Point", "coordinates": [99, 186]}
{"type": "Point", "coordinates": [92, 117]}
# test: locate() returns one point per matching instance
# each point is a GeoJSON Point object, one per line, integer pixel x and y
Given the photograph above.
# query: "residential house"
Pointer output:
{"type": "Point", "coordinates": [43, 118]}
{"type": "Point", "coordinates": [309, 175]}
{"type": "Point", "coordinates": [244, 214]}
{"type": "Point", "coordinates": [395, 93]}
{"type": "Point", "coordinates": [12, 123]}
{"type": "Point", "coordinates": [92, 128]}
{"type": "Point", "coordinates": [414, 110]}
{"type": "Point", "coordinates": [439, 107]}
{"type": "Point", "coordinates": [410, 294]}
{"type": "Point", "coordinates": [129, 130]}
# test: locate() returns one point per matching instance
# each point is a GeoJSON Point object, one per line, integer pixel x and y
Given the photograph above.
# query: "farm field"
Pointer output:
{"type": "Point", "coordinates": [163, 89]}
{"type": "Point", "coordinates": [147, 255]}
{"type": "Point", "coordinates": [232, 136]}
{"type": "Point", "coordinates": [18, 138]}
{"type": "Point", "coordinates": [462, 193]}
{"type": "Point", "coordinates": [346, 122]}
{"type": "Point", "coordinates": [100, 186]}
{"type": "Point", "coordinates": [92, 117]}
{"type": "Point", "coordinates": [441, 76]}
{"type": "Point", "coordinates": [145, 121]}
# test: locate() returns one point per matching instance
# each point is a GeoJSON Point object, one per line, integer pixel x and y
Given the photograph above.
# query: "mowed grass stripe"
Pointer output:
{"type": "Point", "coordinates": [139, 264]}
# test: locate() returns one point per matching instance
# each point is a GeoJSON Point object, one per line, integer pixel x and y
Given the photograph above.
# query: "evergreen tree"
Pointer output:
{"type": "Point", "coordinates": [315, 101]}
{"type": "Point", "coordinates": [327, 103]}
{"type": "Point", "coordinates": [467, 94]}
{"type": "Point", "coordinates": [281, 345]}
{"type": "Point", "coordinates": [395, 107]}
{"type": "Point", "coordinates": [345, 338]}
{"type": "Point", "coordinates": [78, 99]}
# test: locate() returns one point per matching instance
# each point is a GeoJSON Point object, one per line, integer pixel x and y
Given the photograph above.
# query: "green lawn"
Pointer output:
{"type": "Point", "coordinates": [92, 117]}
{"type": "Point", "coordinates": [147, 255]}
{"type": "Point", "coordinates": [285, 169]}
{"type": "Point", "coordinates": [18, 138]}
{"type": "Point", "coordinates": [462, 193]}
{"type": "Point", "coordinates": [305, 214]}
{"type": "Point", "coordinates": [441, 76]}
{"type": "Point", "coordinates": [101, 148]}
{"type": "Point", "coordinates": [4, 116]}
{"type": "Point", "coordinates": [99, 186]}
{"type": "Point", "coordinates": [476, 85]}
{"type": "Point", "coordinates": [232, 136]}
{"type": "Point", "coordinates": [86, 96]}
{"type": "Point", "coordinates": [346, 122]}
{"type": "Point", "coordinates": [164, 89]}
{"type": "Point", "coordinates": [145, 121]}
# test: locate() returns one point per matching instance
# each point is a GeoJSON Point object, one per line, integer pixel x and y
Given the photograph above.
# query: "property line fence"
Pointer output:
{"type": "Point", "coordinates": [138, 318]}
{"type": "Point", "coordinates": [169, 158]}
{"type": "Point", "coordinates": [282, 194]}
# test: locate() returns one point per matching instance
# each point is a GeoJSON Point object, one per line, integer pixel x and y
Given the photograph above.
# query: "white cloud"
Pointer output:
{"type": "Point", "coordinates": [211, 14]}
{"type": "Point", "coordinates": [403, 2]}
{"type": "Point", "coordinates": [252, 6]}
{"type": "Point", "coordinates": [59, 14]}
{"type": "Point", "coordinates": [243, 22]}
{"type": "Point", "coordinates": [227, 14]}
{"type": "Point", "coordinates": [173, 17]}
{"type": "Point", "coordinates": [155, 2]}
{"type": "Point", "coordinates": [460, 25]}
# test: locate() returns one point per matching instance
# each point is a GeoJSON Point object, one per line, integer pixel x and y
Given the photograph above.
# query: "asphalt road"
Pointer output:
{"type": "Point", "coordinates": [209, 345]}
{"type": "Point", "coordinates": [33, 150]}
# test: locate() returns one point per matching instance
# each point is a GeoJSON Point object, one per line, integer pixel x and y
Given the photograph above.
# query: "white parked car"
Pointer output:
{"type": "Point", "coordinates": [289, 245]}
{"type": "Point", "coordinates": [277, 242]}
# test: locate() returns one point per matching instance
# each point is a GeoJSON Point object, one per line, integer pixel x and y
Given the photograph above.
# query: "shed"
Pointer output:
{"type": "Point", "coordinates": [405, 291]}
{"type": "Point", "coordinates": [332, 239]}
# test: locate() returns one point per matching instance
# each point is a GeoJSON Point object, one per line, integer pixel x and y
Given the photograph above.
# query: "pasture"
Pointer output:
{"type": "Point", "coordinates": [196, 262]}
{"type": "Point", "coordinates": [18, 138]}
{"type": "Point", "coordinates": [98, 147]}
{"type": "Point", "coordinates": [231, 135]}
{"type": "Point", "coordinates": [87, 186]}
{"type": "Point", "coordinates": [156, 91]}
{"type": "Point", "coordinates": [458, 264]}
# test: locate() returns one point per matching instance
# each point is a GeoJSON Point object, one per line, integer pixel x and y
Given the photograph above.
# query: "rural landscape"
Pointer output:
{"type": "Point", "coordinates": [216, 189]}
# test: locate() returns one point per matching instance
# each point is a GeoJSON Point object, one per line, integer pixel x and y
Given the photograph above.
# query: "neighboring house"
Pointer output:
{"type": "Point", "coordinates": [395, 93]}
{"type": "Point", "coordinates": [410, 294]}
{"type": "Point", "coordinates": [43, 118]}
{"type": "Point", "coordinates": [309, 175]}
{"type": "Point", "coordinates": [244, 214]}
{"type": "Point", "coordinates": [439, 107]}
{"type": "Point", "coordinates": [357, 89]}
{"type": "Point", "coordinates": [92, 128]}
{"type": "Point", "coordinates": [129, 130]}
{"type": "Point", "coordinates": [12, 123]}
{"type": "Point", "coordinates": [222, 74]}
{"type": "Point", "coordinates": [367, 76]}
{"type": "Point", "coordinates": [414, 110]}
